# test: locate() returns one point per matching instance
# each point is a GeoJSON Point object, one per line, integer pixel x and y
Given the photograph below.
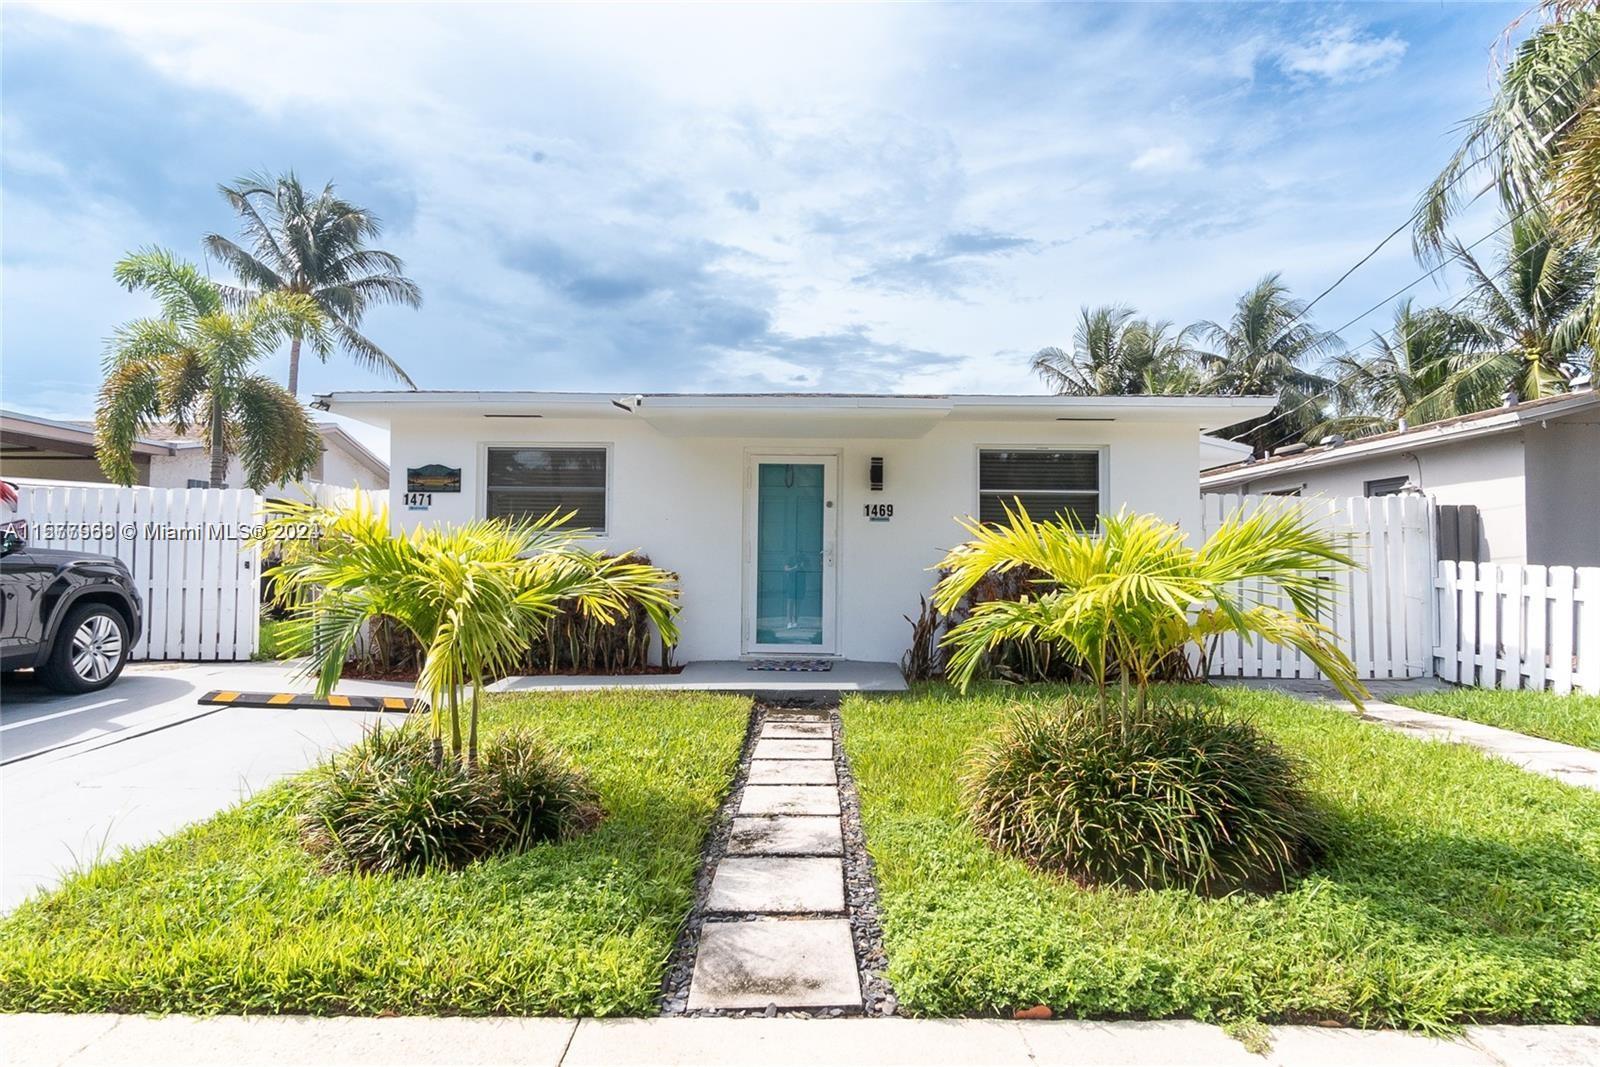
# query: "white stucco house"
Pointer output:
{"type": "Point", "coordinates": [62, 450]}
{"type": "Point", "coordinates": [1517, 484]}
{"type": "Point", "coordinates": [799, 524]}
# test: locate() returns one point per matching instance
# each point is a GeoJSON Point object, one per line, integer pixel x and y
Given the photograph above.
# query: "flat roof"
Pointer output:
{"type": "Point", "coordinates": [670, 412]}
{"type": "Point", "coordinates": [1443, 431]}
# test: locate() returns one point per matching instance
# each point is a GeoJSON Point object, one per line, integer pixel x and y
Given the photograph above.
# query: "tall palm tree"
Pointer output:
{"type": "Point", "coordinates": [1541, 128]}
{"type": "Point", "coordinates": [194, 365]}
{"type": "Point", "coordinates": [315, 245]}
{"type": "Point", "coordinates": [1115, 354]}
{"type": "Point", "coordinates": [1534, 311]}
{"type": "Point", "coordinates": [1266, 349]}
{"type": "Point", "coordinates": [1422, 369]}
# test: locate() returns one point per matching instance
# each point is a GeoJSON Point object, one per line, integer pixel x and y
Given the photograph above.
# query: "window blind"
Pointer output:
{"type": "Point", "coordinates": [533, 482]}
{"type": "Point", "coordinates": [1050, 484]}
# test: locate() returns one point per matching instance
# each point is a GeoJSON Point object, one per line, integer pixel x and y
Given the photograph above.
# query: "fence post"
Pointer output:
{"type": "Point", "coordinates": [1445, 660]}
{"type": "Point", "coordinates": [1467, 636]}
{"type": "Point", "coordinates": [1562, 610]}
{"type": "Point", "coordinates": [1587, 638]}
{"type": "Point", "coordinates": [1536, 643]}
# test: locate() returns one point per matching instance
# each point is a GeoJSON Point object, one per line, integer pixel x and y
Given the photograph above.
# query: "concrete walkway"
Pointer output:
{"type": "Point", "coordinates": [286, 1041]}
{"type": "Point", "coordinates": [1565, 763]}
{"type": "Point", "coordinates": [777, 936]}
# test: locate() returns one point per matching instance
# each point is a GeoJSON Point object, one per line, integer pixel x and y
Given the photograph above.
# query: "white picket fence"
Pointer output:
{"type": "Point", "coordinates": [1519, 627]}
{"type": "Point", "coordinates": [1381, 611]}
{"type": "Point", "coordinates": [200, 582]}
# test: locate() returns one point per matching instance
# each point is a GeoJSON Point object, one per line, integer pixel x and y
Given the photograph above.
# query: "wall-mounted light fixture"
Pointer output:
{"type": "Point", "coordinates": [875, 473]}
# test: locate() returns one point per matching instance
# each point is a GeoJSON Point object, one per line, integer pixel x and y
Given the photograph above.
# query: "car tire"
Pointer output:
{"type": "Point", "coordinates": [90, 650]}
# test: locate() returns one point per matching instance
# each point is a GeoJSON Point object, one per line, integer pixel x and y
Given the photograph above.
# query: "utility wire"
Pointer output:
{"type": "Point", "coordinates": [1463, 172]}
{"type": "Point", "coordinates": [1319, 397]}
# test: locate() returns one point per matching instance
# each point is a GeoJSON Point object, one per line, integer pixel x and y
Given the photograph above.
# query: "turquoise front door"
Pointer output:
{"type": "Point", "coordinates": [790, 575]}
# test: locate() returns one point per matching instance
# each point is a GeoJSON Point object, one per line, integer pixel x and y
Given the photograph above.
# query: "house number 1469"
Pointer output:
{"type": "Point", "coordinates": [878, 512]}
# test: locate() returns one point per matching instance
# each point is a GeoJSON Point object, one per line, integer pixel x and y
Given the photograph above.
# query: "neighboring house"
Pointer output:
{"type": "Point", "coordinates": [799, 524]}
{"type": "Point", "coordinates": [1526, 476]}
{"type": "Point", "coordinates": [63, 450]}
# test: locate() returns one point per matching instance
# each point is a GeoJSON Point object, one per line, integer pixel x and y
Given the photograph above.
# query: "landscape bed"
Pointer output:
{"type": "Point", "coordinates": [1458, 888]}
{"type": "Point", "coordinates": [233, 916]}
{"type": "Point", "coordinates": [1572, 719]}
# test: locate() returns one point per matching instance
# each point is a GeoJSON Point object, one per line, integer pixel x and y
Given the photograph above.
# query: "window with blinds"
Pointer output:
{"type": "Point", "coordinates": [533, 482]}
{"type": "Point", "coordinates": [1048, 483]}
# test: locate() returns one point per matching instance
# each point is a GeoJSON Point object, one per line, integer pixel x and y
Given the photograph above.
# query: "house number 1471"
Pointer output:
{"type": "Point", "coordinates": [878, 512]}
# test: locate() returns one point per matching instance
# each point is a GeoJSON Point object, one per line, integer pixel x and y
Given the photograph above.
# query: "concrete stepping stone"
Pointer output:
{"type": "Point", "coordinates": [789, 800]}
{"type": "Point", "coordinates": [776, 885]}
{"type": "Point", "coordinates": [785, 748]}
{"type": "Point", "coordinates": [785, 835]}
{"type": "Point", "coordinates": [799, 716]}
{"type": "Point", "coordinates": [807, 963]}
{"type": "Point", "coordinates": [793, 772]}
{"type": "Point", "coordinates": [798, 729]}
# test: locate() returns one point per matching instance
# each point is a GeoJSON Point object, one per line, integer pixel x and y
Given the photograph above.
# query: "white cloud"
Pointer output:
{"type": "Point", "coordinates": [1165, 158]}
{"type": "Point", "coordinates": [1342, 53]}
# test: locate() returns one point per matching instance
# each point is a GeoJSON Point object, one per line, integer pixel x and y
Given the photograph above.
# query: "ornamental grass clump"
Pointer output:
{"type": "Point", "coordinates": [387, 807]}
{"type": "Point", "coordinates": [1134, 789]}
{"type": "Point", "coordinates": [1167, 796]}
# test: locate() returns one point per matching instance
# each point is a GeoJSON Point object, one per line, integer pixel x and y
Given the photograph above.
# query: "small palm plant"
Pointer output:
{"type": "Point", "coordinates": [1137, 595]}
{"type": "Point", "coordinates": [474, 596]}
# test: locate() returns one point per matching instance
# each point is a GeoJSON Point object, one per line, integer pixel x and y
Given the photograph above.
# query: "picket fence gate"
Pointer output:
{"type": "Point", "coordinates": [199, 580]}
{"type": "Point", "coordinates": [1381, 611]}
{"type": "Point", "coordinates": [1519, 627]}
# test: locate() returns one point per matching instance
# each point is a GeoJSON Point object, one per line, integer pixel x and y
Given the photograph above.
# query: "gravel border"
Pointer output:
{"type": "Point", "coordinates": [861, 888]}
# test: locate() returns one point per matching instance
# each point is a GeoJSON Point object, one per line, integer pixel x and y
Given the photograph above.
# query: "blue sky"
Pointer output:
{"type": "Point", "coordinates": [893, 198]}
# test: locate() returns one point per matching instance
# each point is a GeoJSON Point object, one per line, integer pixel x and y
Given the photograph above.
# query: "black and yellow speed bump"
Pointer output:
{"type": "Point", "coordinates": [333, 702]}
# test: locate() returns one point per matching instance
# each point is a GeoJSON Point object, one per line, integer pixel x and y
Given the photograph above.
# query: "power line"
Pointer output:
{"type": "Point", "coordinates": [1463, 172]}
{"type": "Point", "coordinates": [1319, 397]}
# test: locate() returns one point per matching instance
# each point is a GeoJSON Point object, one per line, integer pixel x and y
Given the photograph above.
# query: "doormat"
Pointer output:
{"type": "Point", "coordinates": [790, 665]}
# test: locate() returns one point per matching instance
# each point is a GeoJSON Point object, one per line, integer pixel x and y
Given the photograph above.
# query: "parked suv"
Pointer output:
{"type": "Point", "coordinates": [72, 616]}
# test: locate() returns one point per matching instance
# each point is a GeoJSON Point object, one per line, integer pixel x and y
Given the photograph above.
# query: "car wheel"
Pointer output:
{"type": "Point", "coordinates": [90, 650]}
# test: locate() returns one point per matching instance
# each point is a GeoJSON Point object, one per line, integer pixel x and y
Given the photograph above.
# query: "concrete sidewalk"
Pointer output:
{"type": "Point", "coordinates": [1565, 763]}
{"type": "Point", "coordinates": [283, 1041]}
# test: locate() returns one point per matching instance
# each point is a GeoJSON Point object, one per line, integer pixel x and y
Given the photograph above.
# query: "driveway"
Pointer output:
{"type": "Point", "coordinates": [85, 777]}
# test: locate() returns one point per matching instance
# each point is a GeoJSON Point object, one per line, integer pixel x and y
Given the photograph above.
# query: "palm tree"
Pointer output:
{"type": "Point", "coordinates": [195, 366]}
{"type": "Point", "coordinates": [315, 246]}
{"type": "Point", "coordinates": [1535, 311]}
{"type": "Point", "coordinates": [1263, 350]}
{"type": "Point", "coordinates": [1138, 594]}
{"type": "Point", "coordinates": [1542, 129]}
{"type": "Point", "coordinates": [1421, 370]}
{"type": "Point", "coordinates": [1115, 354]}
{"type": "Point", "coordinates": [474, 596]}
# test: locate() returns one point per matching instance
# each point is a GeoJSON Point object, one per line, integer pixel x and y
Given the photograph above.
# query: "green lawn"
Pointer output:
{"type": "Point", "coordinates": [231, 916]}
{"type": "Point", "coordinates": [1458, 888]}
{"type": "Point", "coordinates": [1573, 719]}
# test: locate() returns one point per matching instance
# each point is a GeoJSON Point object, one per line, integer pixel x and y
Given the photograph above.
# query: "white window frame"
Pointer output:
{"type": "Point", "coordinates": [1104, 451]}
{"type": "Point", "coordinates": [611, 476]}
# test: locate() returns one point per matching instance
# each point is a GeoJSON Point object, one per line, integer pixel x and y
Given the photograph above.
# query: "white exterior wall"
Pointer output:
{"type": "Point", "coordinates": [681, 501]}
{"type": "Point", "coordinates": [1487, 473]}
{"type": "Point", "coordinates": [336, 467]}
{"type": "Point", "coordinates": [1563, 492]}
